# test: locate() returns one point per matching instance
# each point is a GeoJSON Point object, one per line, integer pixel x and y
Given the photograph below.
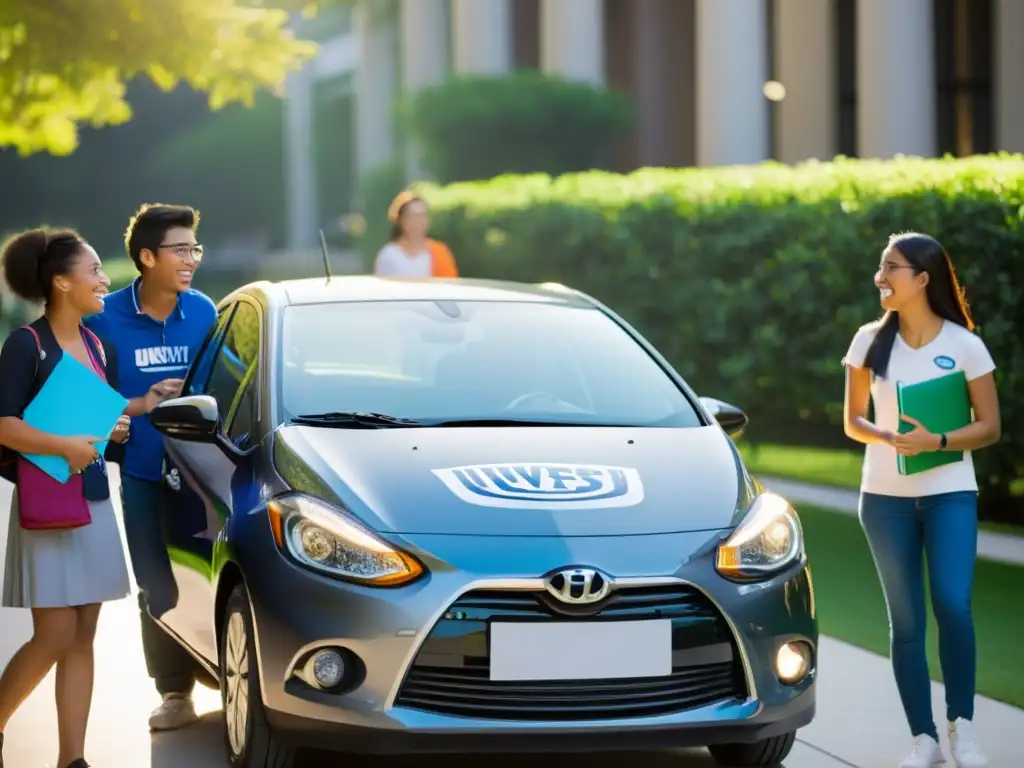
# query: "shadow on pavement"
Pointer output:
{"type": "Point", "coordinates": [201, 746]}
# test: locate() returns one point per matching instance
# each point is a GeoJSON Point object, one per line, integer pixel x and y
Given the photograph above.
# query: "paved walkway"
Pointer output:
{"type": "Point", "coordinates": [856, 697]}
{"type": "Point", "coordinates": [1003, 547]}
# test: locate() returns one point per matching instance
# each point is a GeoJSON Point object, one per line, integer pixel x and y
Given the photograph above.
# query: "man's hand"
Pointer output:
{"type": "Point", "coordinates": [121, 430]}
{"type": "Point", "coordinates": [162, 390]}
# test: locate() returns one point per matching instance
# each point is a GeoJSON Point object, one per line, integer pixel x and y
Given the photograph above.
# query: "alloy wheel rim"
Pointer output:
{"type": "Point", "coordinates": [236, 674]}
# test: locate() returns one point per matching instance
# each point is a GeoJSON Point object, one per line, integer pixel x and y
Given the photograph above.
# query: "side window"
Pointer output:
{"type": "Point", "coordinates": [199, 374]}
{"type": "Point", "coordinates": [233, 379]}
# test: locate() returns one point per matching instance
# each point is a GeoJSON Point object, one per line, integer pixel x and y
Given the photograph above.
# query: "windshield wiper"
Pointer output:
{"type": "Point", "coordinates": [504, 422]}
{"type": "Point", "coordinates": [354, 419]}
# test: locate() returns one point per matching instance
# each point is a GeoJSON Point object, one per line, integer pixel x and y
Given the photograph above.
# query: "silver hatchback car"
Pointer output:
{"type": "Point", "coordinates": [464, 516]}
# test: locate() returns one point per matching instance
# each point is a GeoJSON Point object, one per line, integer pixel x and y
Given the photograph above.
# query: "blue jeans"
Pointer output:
{"type": "Point", "coordinates": [901, 532]}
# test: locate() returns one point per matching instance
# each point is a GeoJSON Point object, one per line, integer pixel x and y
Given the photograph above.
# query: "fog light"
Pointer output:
{"type": "Point", "coordinates": [326, 668]}
{"type": "Point", "coordinates": [793, 662]}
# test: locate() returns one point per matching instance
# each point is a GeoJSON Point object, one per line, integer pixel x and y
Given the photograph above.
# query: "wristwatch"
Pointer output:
{"type": "Point", "coordinates": [942, 442]}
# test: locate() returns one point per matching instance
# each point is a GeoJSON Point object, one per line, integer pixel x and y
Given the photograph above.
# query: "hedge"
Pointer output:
{"type": "Point", "coordinates": [752, 280]}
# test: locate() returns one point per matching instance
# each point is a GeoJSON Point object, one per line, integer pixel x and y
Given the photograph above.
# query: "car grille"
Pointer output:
{"type": "Point", "coordinates": [451, 673]}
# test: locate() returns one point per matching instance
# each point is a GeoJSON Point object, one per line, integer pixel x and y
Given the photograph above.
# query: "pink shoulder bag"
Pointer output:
{"type": "Point", "coordinates": [44, 504]}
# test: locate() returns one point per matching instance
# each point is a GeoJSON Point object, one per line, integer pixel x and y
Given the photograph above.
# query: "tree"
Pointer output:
{"type": "Point", "coordinates": [66, 62]}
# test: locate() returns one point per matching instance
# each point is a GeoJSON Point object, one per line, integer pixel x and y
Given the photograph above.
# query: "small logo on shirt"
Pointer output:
{"type": "Point", "coordinates": [161, 359]}
{"type": "Point", "coordinates": [945, 362]}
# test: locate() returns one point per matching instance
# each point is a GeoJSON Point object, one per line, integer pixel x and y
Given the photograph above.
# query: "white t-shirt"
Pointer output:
{"type": "Point", "coordinates": [392, 260]}
{"type": "Point", "coordinates": [954, 349]}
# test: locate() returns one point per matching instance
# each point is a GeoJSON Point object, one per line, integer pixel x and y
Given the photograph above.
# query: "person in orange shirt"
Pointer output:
{"type": "Point", "coordinates": [410, 253]}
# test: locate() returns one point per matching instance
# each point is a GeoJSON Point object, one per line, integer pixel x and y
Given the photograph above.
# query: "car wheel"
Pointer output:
{"type": "Point", "coordinates": [761, 754]}
{"type": "Point", "coordinates": [248, 739]}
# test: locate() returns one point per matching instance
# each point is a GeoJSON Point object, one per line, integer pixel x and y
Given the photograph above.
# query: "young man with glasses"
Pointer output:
{"type": "Point", "coordinates": [157, 324]}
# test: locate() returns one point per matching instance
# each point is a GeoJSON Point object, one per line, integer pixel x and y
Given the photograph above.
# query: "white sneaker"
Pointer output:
{"type": "Point", "coordinates": [176, 711]}
{"type": "Point", "coordinates": [926, 754]}
{"type": "Point", "coordinates": [963, 743]}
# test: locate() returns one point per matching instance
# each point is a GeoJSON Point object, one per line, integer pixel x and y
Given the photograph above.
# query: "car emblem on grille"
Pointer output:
{"type": "Point", "coordinates": [578, 586]}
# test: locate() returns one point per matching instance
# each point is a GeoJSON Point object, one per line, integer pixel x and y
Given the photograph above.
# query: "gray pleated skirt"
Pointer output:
{"type": "Point", "coordinates": [59, 569]}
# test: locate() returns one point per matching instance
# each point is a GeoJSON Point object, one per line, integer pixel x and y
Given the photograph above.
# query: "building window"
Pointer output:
{"type": "Point", "coordinates": [846, 72]}
{"type": "Point", "coordinates": [964, 48]}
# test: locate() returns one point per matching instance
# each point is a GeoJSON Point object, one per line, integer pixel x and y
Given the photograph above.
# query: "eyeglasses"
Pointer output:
{"type": "Point", "coordinates": [184, 250]}
{"type": "Point", "coordinates": [891, 266]}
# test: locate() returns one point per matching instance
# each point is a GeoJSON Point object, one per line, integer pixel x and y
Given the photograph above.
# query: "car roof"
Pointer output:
{"type": "Point", "coordinates": [366, 288]}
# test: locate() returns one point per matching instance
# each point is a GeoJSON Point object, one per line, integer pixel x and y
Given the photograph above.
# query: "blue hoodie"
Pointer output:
{"type": "Point", "coordinates": [149, 351]}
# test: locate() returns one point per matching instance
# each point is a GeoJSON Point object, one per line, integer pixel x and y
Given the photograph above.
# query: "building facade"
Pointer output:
{"type": "Point", "coordinates": [715, 82]}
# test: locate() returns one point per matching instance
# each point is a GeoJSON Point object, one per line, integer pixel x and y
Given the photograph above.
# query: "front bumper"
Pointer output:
{"type": "Point", "coordinates": [726, 637]}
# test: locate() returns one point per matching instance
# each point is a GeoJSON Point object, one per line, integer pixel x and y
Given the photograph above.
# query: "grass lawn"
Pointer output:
{"type": "Point", "coordinates": [851, 607]}
{"type": "Point", "coordinates": [825, 466]}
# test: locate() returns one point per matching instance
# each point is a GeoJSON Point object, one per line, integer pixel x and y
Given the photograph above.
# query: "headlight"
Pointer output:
{"type": "Point", "coordinates": [768, 540]}
{"type": "Point", "coordinates": [322, 537]}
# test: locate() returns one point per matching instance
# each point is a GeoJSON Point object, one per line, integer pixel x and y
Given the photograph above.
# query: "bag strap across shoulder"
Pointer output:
{"type": "Point", "coordinates": [40, 352]}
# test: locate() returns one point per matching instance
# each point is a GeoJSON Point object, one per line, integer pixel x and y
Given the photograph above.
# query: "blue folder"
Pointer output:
{"type": "Point", "coordinates": [74, 402]}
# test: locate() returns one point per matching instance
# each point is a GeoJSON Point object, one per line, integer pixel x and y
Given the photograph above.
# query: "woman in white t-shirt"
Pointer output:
{"type": "Point", "coordinates": [926, 332]}
{"type": "Point", "coordinates": [410, 252]}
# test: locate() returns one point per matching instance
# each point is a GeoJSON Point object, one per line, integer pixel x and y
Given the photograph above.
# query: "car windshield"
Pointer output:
{"type": "Point", "coordinates": [436, 362]}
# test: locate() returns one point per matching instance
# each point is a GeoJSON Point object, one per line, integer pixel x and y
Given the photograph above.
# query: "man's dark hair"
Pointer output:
{"type": "Point", "coordinates": [150, 223]}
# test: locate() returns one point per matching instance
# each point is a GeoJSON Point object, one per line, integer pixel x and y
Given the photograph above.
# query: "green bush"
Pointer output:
{"type": "Point", "coordinates": [476, 127]}
{"type": "Point", "coordinates": [379, 186]}
{"type": "Point", "coordinates": [753, 280]}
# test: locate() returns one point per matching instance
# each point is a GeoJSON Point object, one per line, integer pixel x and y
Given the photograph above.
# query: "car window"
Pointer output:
{"type": "Point", "coordinates": [195, 381]}
{"type": "Point", "coordinates": [473, 360]}
{"type": "Point", "coordinates": [233, 380]}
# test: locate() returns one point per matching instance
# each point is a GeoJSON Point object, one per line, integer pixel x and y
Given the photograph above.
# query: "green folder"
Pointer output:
{"type": "Point", "coordinates": [943, 405]}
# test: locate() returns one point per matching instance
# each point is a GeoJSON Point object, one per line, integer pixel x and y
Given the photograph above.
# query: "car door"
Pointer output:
{"type": "Point", "coordinates": [201, 477]}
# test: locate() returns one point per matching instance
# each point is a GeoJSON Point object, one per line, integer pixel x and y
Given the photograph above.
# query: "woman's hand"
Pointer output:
{"type": "Point", "coordinates": [162, 390]}
{"type": "Point", "coordinates": [121, 429]}
{"type": "Point", "coordinates": [916, 441]}
{"type": "Point", "coordinates": [80, 452]}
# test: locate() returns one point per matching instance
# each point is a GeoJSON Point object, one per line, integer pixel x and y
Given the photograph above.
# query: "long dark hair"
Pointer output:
{"type": "Point", "coordinates": [946, 296]}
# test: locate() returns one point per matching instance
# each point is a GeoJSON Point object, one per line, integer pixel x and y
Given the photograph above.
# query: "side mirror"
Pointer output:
{"type": "Point", "coordinates": [194, 418]}
{"type": "Point", "coordinates": [729, 417]}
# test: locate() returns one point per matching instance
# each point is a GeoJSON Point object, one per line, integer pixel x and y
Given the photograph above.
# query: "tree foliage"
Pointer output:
{"type": "Point", "coordinates": [66, 62]}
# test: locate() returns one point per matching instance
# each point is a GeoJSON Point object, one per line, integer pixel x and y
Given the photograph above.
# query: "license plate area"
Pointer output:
{"type": "Point", "coordinates": [580, 650]}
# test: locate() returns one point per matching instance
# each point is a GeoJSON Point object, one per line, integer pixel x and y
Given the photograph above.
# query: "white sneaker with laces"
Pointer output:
{"type": "Point", "coordinates": [176, 711]}
{"type": "Point", "coordinates": [926, 754]}
{"type": "Point", "coordinates": [964, 744]}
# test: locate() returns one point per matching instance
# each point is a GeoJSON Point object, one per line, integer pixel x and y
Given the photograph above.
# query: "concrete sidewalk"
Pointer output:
{"type": "Point", "coordinates": [859, 721]}
{"type": "Point", "coordinates": [1002, 547]}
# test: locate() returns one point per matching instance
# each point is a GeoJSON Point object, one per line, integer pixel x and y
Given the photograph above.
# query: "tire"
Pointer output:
{"type": "Point", "coordinates": [247, 737]}
{"type": "Point", "coordinates": [761, 754]}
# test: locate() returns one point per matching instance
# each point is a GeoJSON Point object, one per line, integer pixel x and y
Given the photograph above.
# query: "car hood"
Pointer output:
{"type": "Point", "coordinates": [522, 481]}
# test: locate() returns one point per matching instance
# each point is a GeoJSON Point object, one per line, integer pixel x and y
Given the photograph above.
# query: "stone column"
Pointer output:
{"type": "Point", "coordinates": [482, 36]}
{"type": "Point", "coordinates": [572, 39]}
{"type": "Point", "coordinates": [895, 78]}
{"type": "Point", "coordinates": [376, 87]}
{"type": "Point", "coordinates": [1009, 71]}
{"type": "Point", "coordinates": [300, 176]}
{"type": "Point", "coordinates": [732, 67]}
{"type": "Point", "coordinates": [805, 61]}
{"type": "Point", "coordinates": [425, 53]}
